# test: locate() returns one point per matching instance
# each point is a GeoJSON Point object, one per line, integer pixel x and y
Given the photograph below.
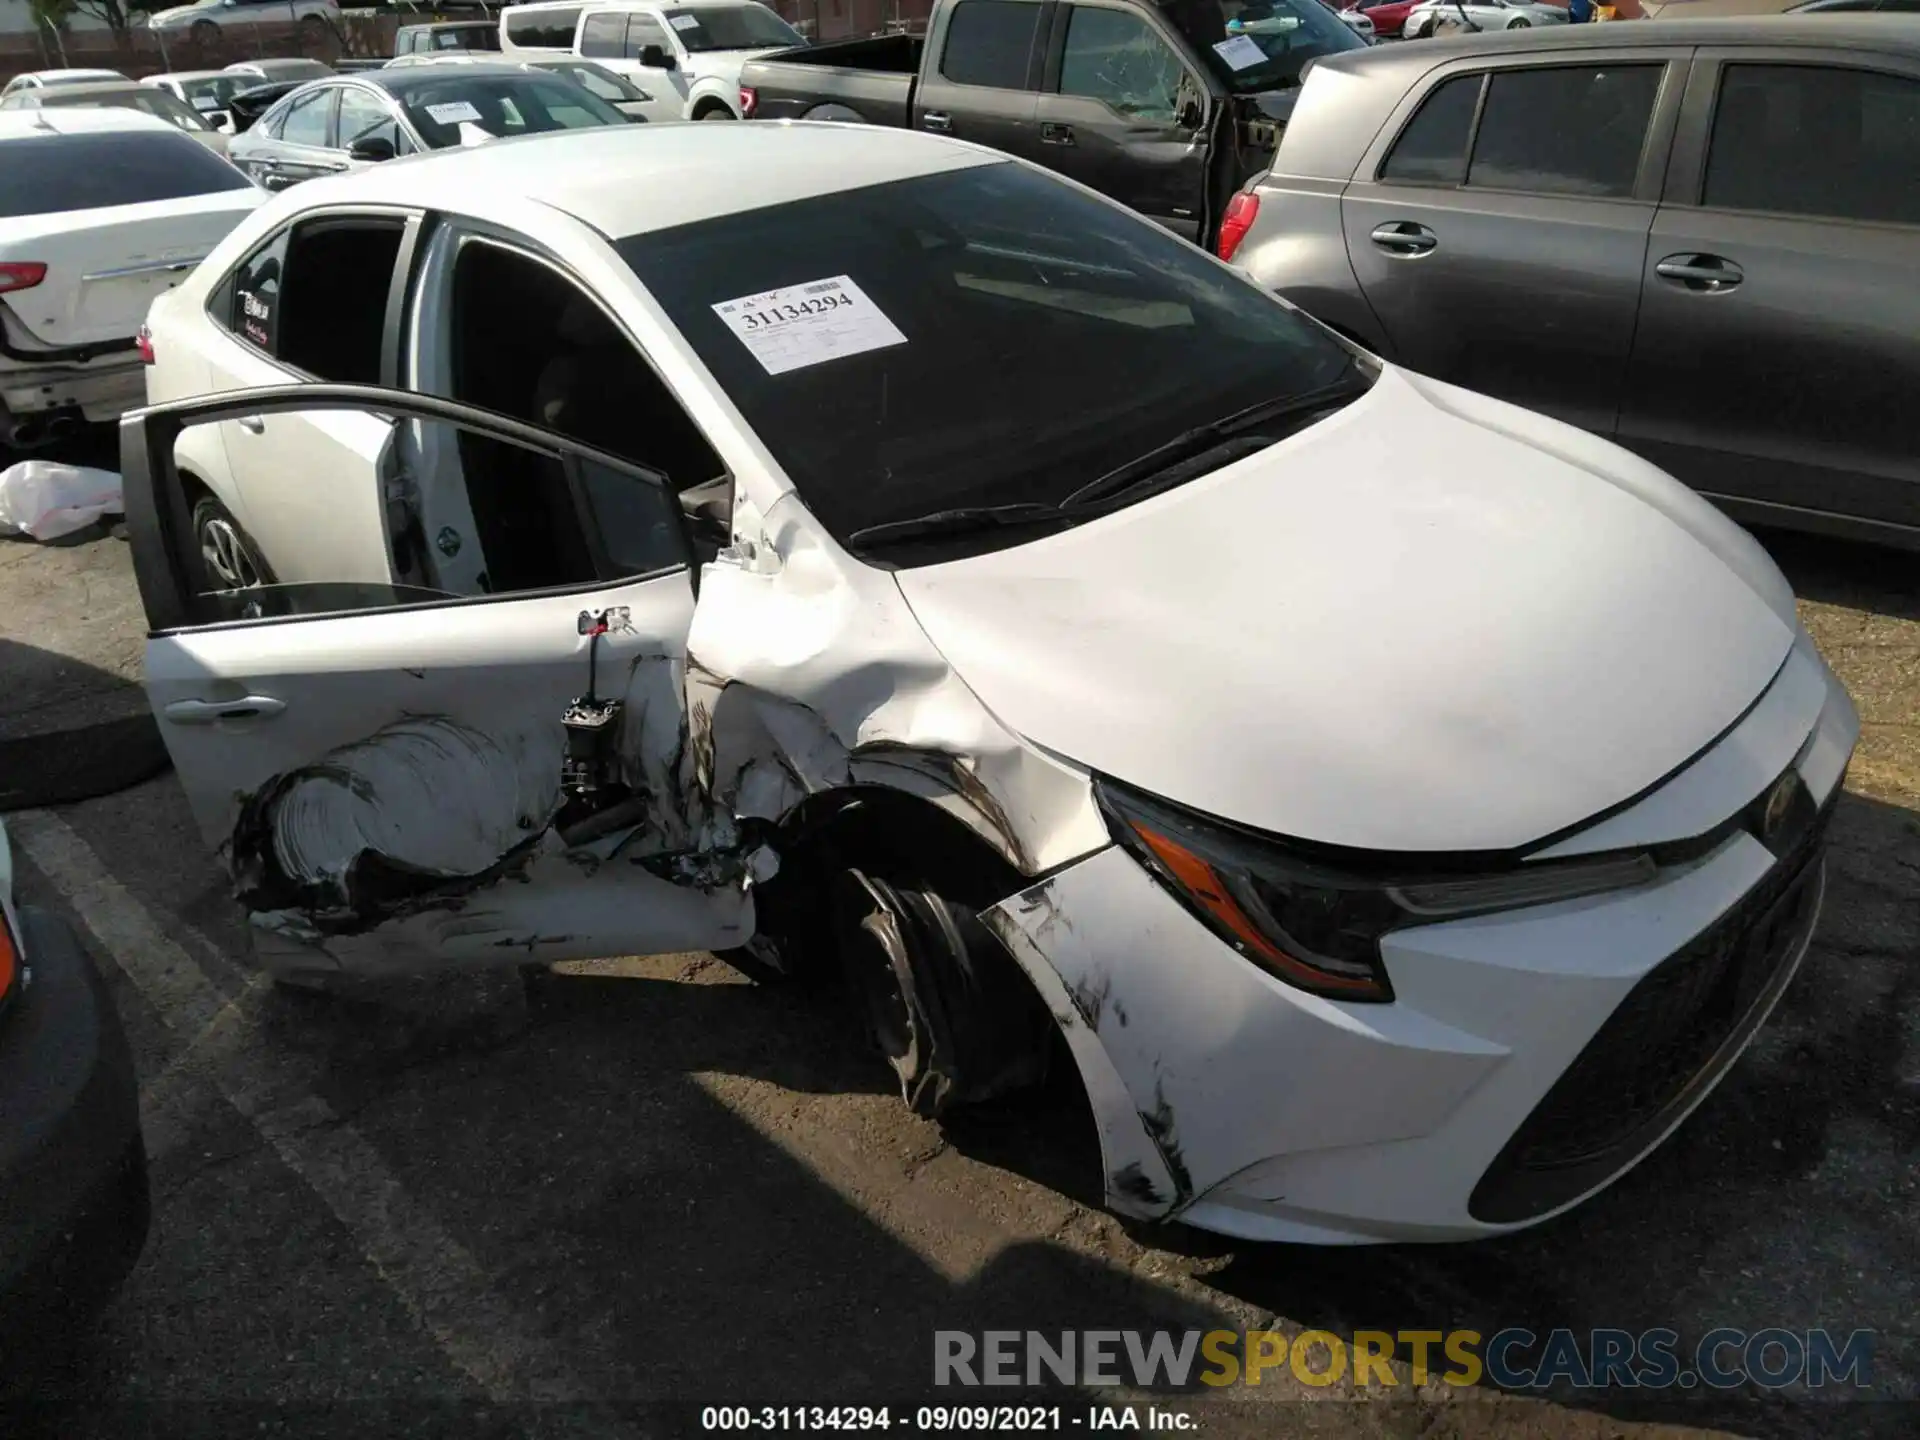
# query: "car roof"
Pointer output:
{"type": "Point", "coordinates": [1889, 32]}
{"type": "Point", "coordinates": [71, 76]}
{"type": "Point", "coordinates": [627, 179]}
{"type": "Point", "coordinates": [397, 80]}
{"type": "Point", "coordinates": [188, 75]}
{"type": "Point", "coordinates": [78, 120]}
{"type": "Point", "coordinates": [79, 94]}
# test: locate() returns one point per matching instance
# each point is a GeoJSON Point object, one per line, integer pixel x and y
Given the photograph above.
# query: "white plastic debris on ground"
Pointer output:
{"type": "Point", "coordinates": [46, 499]}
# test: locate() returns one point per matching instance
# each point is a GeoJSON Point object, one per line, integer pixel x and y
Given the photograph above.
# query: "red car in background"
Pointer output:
{"type": "Point", "coordinates": [1389, 19]}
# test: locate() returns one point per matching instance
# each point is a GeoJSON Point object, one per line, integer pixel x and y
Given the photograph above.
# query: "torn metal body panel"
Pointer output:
{"type": "Point", "coordinates": [810, 673]}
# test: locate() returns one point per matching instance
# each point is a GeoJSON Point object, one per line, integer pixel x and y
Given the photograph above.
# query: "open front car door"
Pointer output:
{"type": "Point", "coordinates": [481, 757]}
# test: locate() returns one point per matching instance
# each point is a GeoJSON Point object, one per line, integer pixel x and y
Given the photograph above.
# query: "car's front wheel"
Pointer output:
{"type": "Point", "coordinates": [228, 560]}
{"type": "Point", "coordinates": [943, 1002]}
{"type": "Point", "coordinates": [1519, 22]}
{"type": "Point", "coordinates": [203, 32]}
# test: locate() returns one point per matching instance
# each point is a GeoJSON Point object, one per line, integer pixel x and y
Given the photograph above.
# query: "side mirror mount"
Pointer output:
{"type": "Point", "coordinates": [219, 120]}
{"type": "Point", "coordinates": [653, 57]}
{"type": "Point", "coordinates": [371, 148]}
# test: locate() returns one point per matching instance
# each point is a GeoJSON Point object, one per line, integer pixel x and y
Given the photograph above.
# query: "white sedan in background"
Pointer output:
{"type": "Point", "coordinates": [47, 79]}
{"type": "Point", "coordinates": [124, 95]}
{"type": "Point", "coordinates": [1435, 15]}
{"type": "Point", "coordinates": [1404, 807]}
{"type": "Point", "coordinates": [100, 211]}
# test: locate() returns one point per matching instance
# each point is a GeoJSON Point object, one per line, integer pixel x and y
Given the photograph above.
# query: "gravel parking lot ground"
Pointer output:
{"type": "Point", "coordinates": [458, 1205]}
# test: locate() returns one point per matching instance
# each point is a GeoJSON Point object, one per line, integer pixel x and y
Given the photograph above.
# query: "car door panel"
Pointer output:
{"type": "Point", "coordinates": [1444, 267]}
{"type": "Point", "coordinates": [1122, 114]}
{"type": "Point", "coordinates": [394, 789]}
{"type": "Point", "coordinates": [983, 81]}
{"type": "Point", "coordinates": [1777, 353]}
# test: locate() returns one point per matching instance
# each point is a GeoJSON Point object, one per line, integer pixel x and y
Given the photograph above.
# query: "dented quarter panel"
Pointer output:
{"type": "Point", "coordinates": [809, 672]}
{"type": "Point", "coordinates": [1218, 1066]}
{"type": "Point", "coordinates": [401, 812]}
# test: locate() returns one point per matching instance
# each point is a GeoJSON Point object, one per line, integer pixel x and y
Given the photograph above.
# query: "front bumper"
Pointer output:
{"type": "Point", "coordinates": [1523, 1065]}
{"type": "Point", "coordinates": [73, 1178]}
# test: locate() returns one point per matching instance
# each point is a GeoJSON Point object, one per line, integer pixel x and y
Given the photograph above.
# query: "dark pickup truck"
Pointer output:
{"type": "Point", "coordinates": [1165, 105]}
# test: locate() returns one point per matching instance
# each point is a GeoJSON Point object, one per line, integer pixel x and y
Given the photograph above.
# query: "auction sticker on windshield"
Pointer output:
{"type": "Point", "coordinates": [684, 22]}
{"type": "Point", "coordinates": [453, 112]}
{"type": "Point", "coordinates": [1240, 52]}
{"type": "Point", "coordinates": [801, 325]}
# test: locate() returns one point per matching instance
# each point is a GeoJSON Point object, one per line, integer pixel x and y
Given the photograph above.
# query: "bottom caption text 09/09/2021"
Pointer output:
{"type": "Point", "coordinates": [937, 1419]}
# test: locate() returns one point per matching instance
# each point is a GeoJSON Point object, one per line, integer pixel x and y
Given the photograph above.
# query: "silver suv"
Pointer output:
{"type": "Point", "coordinates": [1699, 240]}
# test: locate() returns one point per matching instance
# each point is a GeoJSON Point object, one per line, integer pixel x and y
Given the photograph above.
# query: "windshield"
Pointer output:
{"type": "Point", "coordinates": [48, 174]}
{"type": "Point", "coordinates": [502, 105]}
{"type": "Point", "coordinates": [987, 336]}
{"type": "Point", "coordinates": [732, 27]}
{"type": "Point", "coordinates": [152, 102]}
{"type": "Point", "coordinates": [1261, 45]}
{"type": "Point", "coordinates": [212, 92]}
{"type": "Point", "coordinates": [595, 78]}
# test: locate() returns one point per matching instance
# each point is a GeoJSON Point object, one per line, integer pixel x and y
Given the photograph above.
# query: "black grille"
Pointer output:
{"type": "Point", "coordinates": [1662, 1042]}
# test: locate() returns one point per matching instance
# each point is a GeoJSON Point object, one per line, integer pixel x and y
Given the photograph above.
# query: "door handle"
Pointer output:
{"type": "Point", "coordinates": [936, 120]}
{"type": "Point", "coordinates": [1056, 134]}
{"type": "Point", "coordinates": [1403, 237]}
{"type": "Point", "coordinates": [253, 424]}
{"type": "Point", "coordinates": [206, 712]}
{"type": "Point", "coordinates": [1704, 274]}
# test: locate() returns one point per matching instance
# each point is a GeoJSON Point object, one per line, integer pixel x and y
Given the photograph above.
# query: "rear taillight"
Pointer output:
{"type": "Point", "coordinates": [1239, 219]}
{"type": "Point", "coordinates": [144, 343]}
{"type": "Point", "coordinates": [20, 275]}
{"type": "Point", "coordinates": [749, 97]}
{"type": "Point", "coordinates": [9, 963]}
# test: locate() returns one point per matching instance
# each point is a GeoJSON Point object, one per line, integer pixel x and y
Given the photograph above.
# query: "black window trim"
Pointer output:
{"type": "Point", "coordinates": [1686, 180]}
{"type": "Point", "coordinates": [219, 306]}
{"type": "Point", "coordinates": [1037, 49]}
{"type": "Point", "coordinates": [160, 534]}
{"type": "Point", "coordinates": [1656, 147]}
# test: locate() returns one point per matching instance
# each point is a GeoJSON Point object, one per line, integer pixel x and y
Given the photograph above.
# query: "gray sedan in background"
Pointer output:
{"type": "Point", "coordinates": [1698, 240]}
{"type": "Point", "coordinates": [353, 120]}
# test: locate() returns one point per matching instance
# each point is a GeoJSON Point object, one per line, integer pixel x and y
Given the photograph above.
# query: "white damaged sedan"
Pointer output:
{"type": "Point", "coordinates": [1406, 808]}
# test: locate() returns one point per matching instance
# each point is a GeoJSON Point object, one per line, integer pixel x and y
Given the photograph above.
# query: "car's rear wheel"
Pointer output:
{"type": "Point", "coordinates": [1519, 23]}
{"type": "Point", "coordinates": [203, 32]}
{"type": "Point", "coordinates": [313, 30]}
{"type": "Point", "coordinates": [718, 112]}
{"type": "Point", "coordinates": [228, 560]}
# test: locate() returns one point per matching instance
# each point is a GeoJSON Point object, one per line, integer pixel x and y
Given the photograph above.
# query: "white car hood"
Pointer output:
{"type": "Point", "coordinates": [1432, 622]}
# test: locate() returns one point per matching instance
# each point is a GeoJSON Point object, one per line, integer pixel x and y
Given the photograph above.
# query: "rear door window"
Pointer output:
{"type": "Point", "coordinates": [990, 43]}
{"type": "Point", "coordinates": [1565, 129]}
{"type": "Point", "coordinates": [314, 297]}
{"type": "Point", "coordinates": [1824, 140]}
{"type": "Point", "coordinates": [306, 121]}
{"type": "Point", "coordinates": [1432, 150]}
{"type": "Point", "coordinates": [48, 174]}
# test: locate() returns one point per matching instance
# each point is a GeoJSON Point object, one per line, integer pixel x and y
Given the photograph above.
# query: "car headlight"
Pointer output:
{"type": "Point", "coordinates": [1315, 922]}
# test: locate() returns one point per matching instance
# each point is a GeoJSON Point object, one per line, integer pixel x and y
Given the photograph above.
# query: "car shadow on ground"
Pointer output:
{"type": "Point", "coordinates": [1838, 572]}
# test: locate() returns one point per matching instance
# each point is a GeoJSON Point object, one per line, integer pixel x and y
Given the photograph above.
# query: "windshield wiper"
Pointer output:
{"type": "Point", "coordinates": [960, 521]}
{"type": "Point", "coordinates": [1275, 419]}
